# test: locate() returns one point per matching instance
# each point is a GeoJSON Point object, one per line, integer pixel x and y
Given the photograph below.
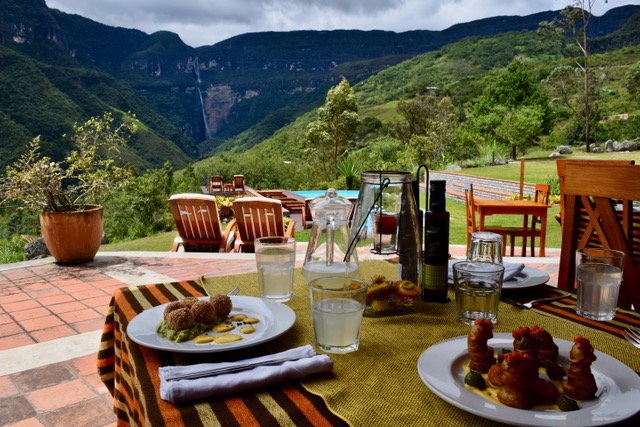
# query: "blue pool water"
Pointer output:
{"type": "Point", "coordinates": [311, 194]}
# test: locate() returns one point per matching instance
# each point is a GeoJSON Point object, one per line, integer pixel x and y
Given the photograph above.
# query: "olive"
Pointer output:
{"type": "Point", "coordinates": [475, 379]}
{"type": "Point", "coordinates": [566, 404]}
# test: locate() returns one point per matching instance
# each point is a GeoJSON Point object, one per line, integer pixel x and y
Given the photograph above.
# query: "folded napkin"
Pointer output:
{"type": "Point", "coordinates": [511, 270]}
{"type": "Point", "coordinates": [175, 391]}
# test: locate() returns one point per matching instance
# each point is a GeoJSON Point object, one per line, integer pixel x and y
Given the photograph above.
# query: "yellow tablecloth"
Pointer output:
{"type": "Point", "coordinates": [379, 384]}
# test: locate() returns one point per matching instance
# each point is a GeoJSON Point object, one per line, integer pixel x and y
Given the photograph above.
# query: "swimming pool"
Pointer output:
{"type": "Point", "coordinates": [311, 194]}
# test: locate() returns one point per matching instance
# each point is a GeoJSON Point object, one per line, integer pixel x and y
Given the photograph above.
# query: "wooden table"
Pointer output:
{"type": "Point", "coordinates": [486, 207]}
{"type": "Point", "coordinates": [376, 386]}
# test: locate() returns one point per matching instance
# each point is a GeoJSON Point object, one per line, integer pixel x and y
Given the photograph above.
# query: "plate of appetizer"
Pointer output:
{"type": "Point", "coordinates": [210, 324]}
{"type": "Point", "coordinates": [445, 367]}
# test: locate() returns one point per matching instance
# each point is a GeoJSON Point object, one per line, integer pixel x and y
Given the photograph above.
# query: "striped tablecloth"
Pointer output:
{"type": "Point", "coordinates": [377, 385]}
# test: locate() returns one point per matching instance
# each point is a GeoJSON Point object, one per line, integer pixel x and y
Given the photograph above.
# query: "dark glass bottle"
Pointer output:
{"type": "Point", "coordinates": [436, 246]}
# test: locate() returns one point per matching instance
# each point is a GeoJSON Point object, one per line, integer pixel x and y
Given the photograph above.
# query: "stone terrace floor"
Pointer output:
{"type": "Point", "coordinates": [51, 319]}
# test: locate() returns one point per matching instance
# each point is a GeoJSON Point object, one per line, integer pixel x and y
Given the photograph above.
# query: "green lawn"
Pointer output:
{"type": "Point", "coordinates": [538, 168]}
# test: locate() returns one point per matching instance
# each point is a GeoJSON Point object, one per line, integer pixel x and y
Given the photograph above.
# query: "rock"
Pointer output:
{"type": "Point", "coordinates": [454, 168]}
{"type": "Point", "coordinates": [626, 145]}
{"type": "Point", "coordinates": [36, 249]}
{"type": "Point", "coordinates": [597, 149]}
{"type": "Point", "coordinates": [554, 154]}
{"type": "Point", "coordinates": [105, 239]}
{"type": "Point", "coordinates": [564, 149]}
{"type": "Point", "coordinates": [608, 146]}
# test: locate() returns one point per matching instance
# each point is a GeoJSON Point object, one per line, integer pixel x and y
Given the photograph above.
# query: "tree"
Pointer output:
{"type": "Point", "coordinates": [514, 93]}
{"type": "Point", "coordinates": [432, 125]}
{"type": "Point", "coordinates": [329, 136]}
{"type": "Point", "coordinates": [574, 25]}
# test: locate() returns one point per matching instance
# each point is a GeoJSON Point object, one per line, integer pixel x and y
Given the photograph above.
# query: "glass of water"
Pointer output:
{"type": "Point", "coordinates": [337, 304]}
{"type": "Point", "coordinates": [276, 259]}
{"type": "Point", "coordinates": [485, 246]}
{"type": "Point", "coordinates": [599, 276]}
{"type": "Point", "coordinates": [477, 286]}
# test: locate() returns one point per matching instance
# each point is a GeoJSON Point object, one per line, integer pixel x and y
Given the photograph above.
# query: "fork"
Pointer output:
{"type": "Point", "coordinates": [529, 304]}
{"type": "Point", "coordinates": [234, 291]}
{"type": "Point", "coordinates": [632, 335]}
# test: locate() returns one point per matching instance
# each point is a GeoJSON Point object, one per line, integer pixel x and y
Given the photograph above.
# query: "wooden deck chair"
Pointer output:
{"type": "Point", "coordinates": [198, 223]}
{"type": "Point", "coordinates": [472, 226]}
{"type": "Point", "coordinates": [238, 183]}
{"type": "Point", "coordinates": [215, 184]}
{"type": "Point", "coordinates": [257, 217]}
{"type": "Point", "coordinates": [531, 230]}
{"type": "Point", "coordinates": [599, 211]}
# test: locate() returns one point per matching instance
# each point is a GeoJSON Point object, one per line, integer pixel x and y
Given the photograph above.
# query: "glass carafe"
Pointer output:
{"type": "Point", "coordinates": [387, 215]}
{"type": "Point", "coordinates": [328, 250]}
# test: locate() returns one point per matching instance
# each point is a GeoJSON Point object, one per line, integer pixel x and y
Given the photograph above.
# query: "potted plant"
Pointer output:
{"type": "Point", "coordinates": [68, 193]}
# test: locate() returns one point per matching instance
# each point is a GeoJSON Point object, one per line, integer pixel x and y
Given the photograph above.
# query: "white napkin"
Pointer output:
{"type": "Point", "coordinates": [175, 391]}
{"type": "Point", "coordinates": [511, 270]}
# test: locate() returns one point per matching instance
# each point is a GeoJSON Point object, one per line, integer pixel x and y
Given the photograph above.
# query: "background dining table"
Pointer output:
{"type": "Point", "coordinates": [378, 385]}
{"type": "Point", "coordinates": [487, 207]}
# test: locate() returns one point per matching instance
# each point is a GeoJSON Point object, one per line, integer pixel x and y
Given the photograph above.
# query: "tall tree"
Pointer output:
{"type": "Point", "coordinates": [330, 135]}
{"type": "Point", "coordinates": [514, 99]}
{"type": "Point", "coordinates": [574, 25]}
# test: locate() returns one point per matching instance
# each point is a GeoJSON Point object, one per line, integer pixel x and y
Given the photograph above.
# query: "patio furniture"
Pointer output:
{"type": "Point", "coordinates": [238, 183]}
{"type": "Point", "coordinates": [198, 223]}
{"type": "Point", "coordinates": [598, 210]}
{"type": "Point", "coordinates": [257, 217]}
{"type": "Point", "coordinates": [472, 225]}
{"type": "Point", "coordinates": [215, 184]}
{"type": "Point", "coordinates": [533, 229]}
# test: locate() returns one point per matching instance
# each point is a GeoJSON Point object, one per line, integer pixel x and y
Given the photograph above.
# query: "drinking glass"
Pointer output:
{"type": "Point", "coordinates": [477, 286]}
{"type": "Point", "coordinates": [275, 259]}
{"type": "Point", "coordinates": [337, 304]}
{"type": "Point", "coordinates": [485, 246]}
{"type": "Point", "coordinates": [599, 275]}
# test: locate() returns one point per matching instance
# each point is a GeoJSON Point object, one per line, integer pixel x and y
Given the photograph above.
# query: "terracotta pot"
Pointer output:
{"type": "Point", "coordinates": [73, 237]}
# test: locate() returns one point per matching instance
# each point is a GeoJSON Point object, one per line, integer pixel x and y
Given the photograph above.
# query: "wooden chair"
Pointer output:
{"type": "Point", "coordinates": [198, 223]}
{"type": "Point", "coordinates": [215, 184]}
{"type": "Point", "coordinates": [561, 166]}
{"type": "Point", "coordinates": [599, 211]}
{"type": "Point", "coordinates": [238, 183]}
{"type": "Point", "coordinates": [257, 217]}
{"type": "Point", "coordinates": [472, 226]}
{"type": "Point", "coordinates": [531, 230]}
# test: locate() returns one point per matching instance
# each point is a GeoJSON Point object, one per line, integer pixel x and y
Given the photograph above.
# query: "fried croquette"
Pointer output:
{"type": "Point", "coordinates": [188, 301]}
{"type": "Point", "coordinates": [182, 318]}
{"type": "Point", "coordinates": [221, 305]}
{"type": "Point", "coordinates": [171, 307]}
{"type": "Point", "coordinates": [203, 312]}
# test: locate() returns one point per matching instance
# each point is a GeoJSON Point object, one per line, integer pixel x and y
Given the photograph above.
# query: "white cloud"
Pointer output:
{"type": "Point", "coordinates": [204, 22]}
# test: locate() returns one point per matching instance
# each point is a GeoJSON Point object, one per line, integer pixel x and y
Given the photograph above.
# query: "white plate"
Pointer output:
{"type": "Point", "coordinates": [527, 278]}
{"type": "Point", "coordinates": [441, 369]}
{"type": "Point", "coordinates": [275, 320]}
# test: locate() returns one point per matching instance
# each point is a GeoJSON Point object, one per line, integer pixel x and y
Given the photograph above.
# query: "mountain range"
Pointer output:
{"type": "Point", "coordinates": [57, 69]}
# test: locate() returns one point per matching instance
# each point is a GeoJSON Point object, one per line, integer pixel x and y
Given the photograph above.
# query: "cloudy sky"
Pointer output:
{"type": "Point", "coordinates": [206, 22]}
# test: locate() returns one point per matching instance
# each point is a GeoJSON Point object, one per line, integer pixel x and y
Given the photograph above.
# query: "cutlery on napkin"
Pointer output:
{"type": "Point", "coordinates": [511, 270]}
{"type": "Point", "coordinates": [264, 370]}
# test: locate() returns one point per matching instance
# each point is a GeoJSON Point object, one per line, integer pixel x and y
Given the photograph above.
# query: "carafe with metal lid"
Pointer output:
{"type": "Point", "coordinates": [328, 250]}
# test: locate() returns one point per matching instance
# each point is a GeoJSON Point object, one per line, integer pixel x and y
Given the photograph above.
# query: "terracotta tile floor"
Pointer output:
{"type": "Point", "coordinates": [43, 304]}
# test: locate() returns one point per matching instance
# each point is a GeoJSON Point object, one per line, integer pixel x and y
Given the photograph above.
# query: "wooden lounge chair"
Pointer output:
{"type": "Point", "coordinates": [599, 212]}
{"type": "Point", "coordinates": [472, 226]}
{"type": "Point", "coordinates": [257, 217]}
{"type": "Point", "coordinates": [198, 223]}
{"type": "Point", "coordinates": [531, 230]}
{"type": "Point", "coordinates": [238, 183]}
{"type": "Point", "coordinates": [216, 184]}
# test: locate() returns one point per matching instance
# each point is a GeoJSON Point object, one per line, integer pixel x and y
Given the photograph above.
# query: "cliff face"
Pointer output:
{"type": "Point", "coordinates": [211, 93]}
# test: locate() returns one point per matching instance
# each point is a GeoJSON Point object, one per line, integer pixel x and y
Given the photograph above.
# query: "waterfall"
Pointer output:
{"type": "Point", "coordinates": [204, 113]}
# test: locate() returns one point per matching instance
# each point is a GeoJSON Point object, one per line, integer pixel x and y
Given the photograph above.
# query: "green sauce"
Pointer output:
{"type": "Point", "coordinates": [182, 335]}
